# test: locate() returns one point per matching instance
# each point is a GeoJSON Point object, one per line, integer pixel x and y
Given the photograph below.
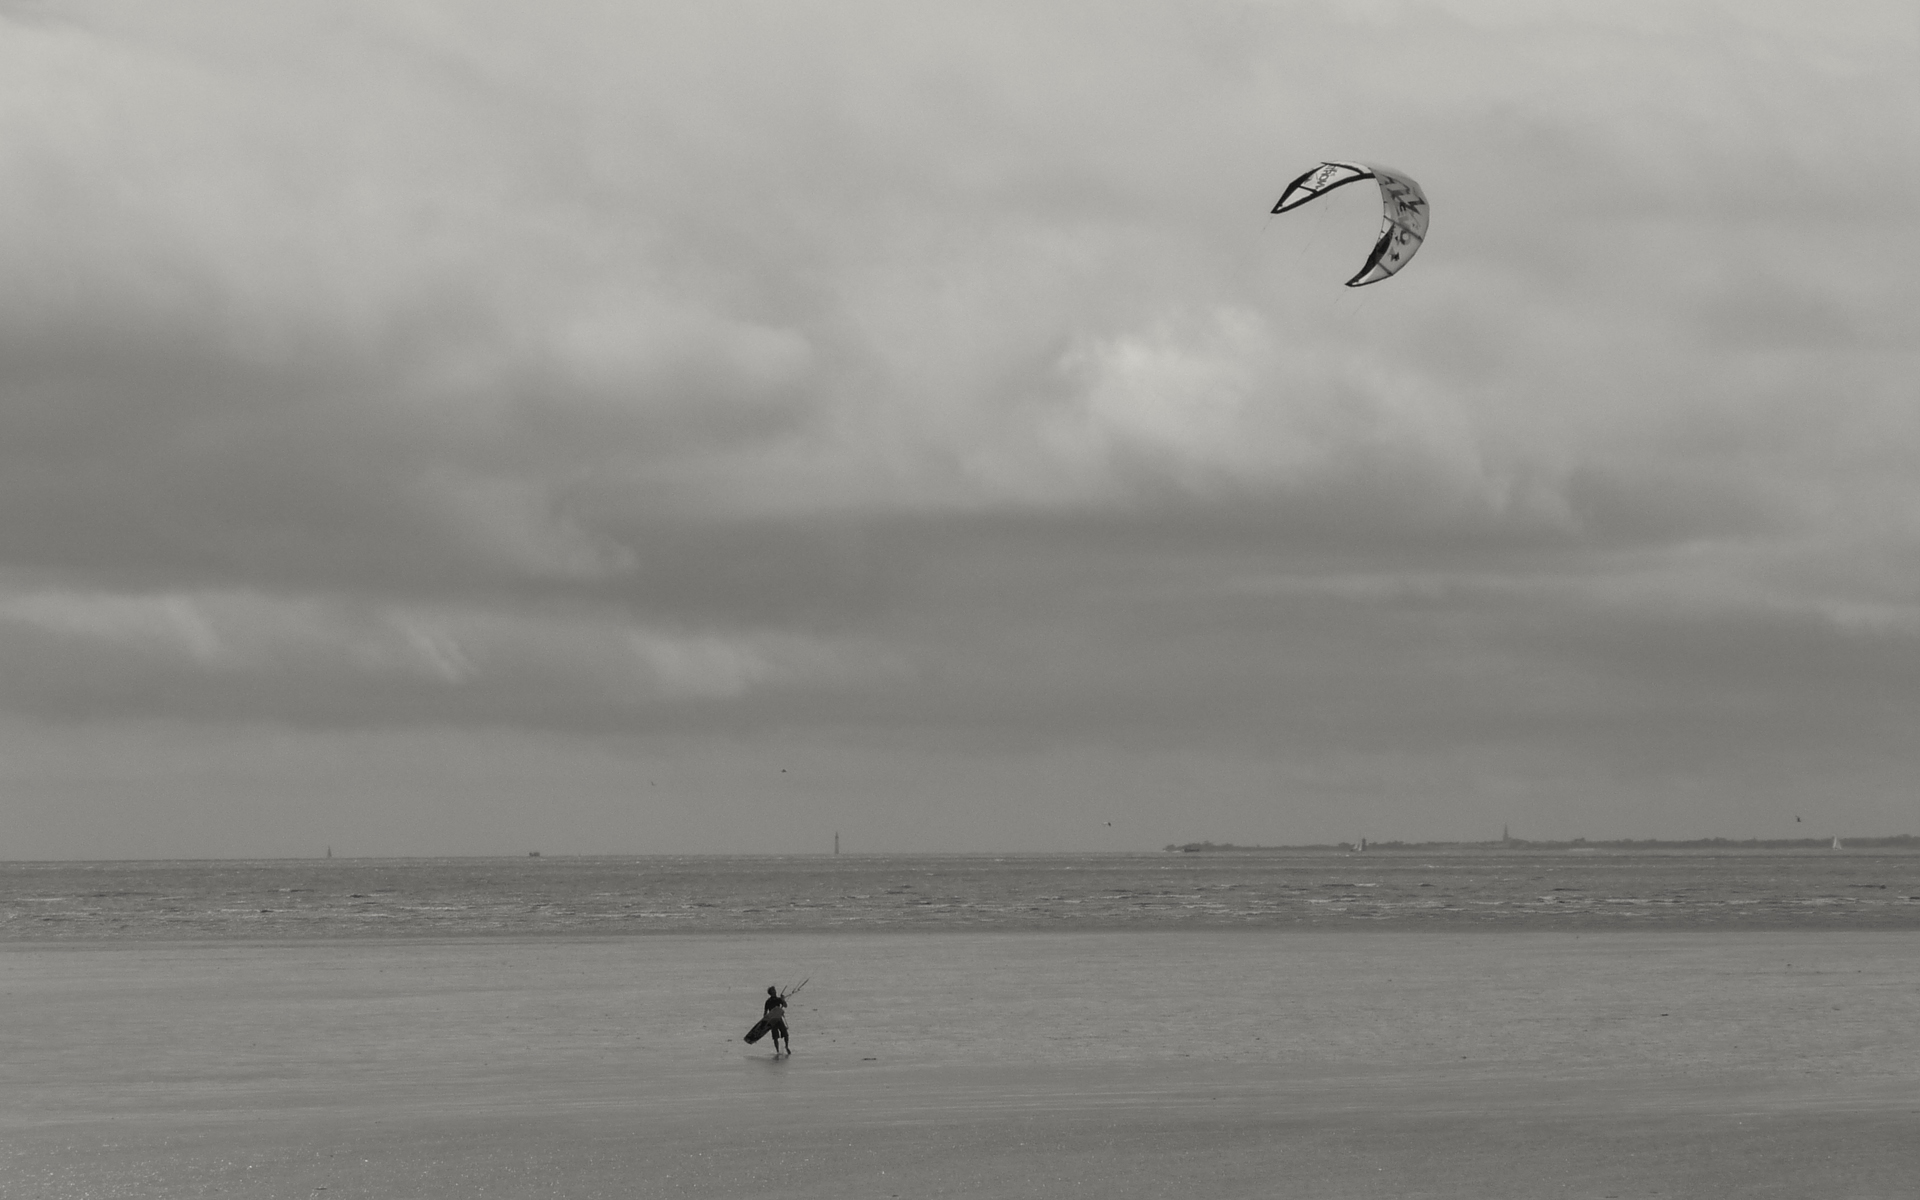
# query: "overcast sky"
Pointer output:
{"type": "Point", "coordinates": [476, 427]}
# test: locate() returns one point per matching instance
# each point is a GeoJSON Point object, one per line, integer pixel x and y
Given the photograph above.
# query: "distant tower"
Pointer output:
{"type": "Point", "coordinates": [836, 842]}
{"type": "Point", "coordinates": [1503, 833]}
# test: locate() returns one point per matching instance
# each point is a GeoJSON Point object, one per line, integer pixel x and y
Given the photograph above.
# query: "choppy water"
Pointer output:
{"type": "Point", "coordinates": [284, 899]}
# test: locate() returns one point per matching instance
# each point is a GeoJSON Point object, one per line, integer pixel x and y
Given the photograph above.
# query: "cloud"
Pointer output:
{"type": "Point", "coordinates": [239, 656]}
{"type": "Point", "coordinates": [940, 374]}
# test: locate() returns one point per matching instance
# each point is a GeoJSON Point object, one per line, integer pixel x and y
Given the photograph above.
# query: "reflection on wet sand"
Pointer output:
{"type": "Point", "coordinates": [1223, 1063]}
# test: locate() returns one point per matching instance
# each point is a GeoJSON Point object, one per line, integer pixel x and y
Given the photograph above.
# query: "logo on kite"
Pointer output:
{"type": "Point", "coordinates": [1403, 212]}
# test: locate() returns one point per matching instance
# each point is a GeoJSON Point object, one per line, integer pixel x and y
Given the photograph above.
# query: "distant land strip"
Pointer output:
{"type": "Point", "coordinates": [1903, 841]}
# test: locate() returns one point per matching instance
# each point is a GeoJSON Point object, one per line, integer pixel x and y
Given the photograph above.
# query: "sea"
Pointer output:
{"type": "Point", "coordinates": [339, 898]}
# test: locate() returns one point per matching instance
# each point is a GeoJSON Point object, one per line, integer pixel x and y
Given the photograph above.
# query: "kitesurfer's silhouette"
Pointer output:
{"type": "Point", "coordinates": [773, 1019]}
{"type": "Point", "coordinates": [776, 1019]}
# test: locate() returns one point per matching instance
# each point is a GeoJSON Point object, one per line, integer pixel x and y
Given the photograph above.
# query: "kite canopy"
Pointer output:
{"type": "Point", "coordinates": [1403, 212]}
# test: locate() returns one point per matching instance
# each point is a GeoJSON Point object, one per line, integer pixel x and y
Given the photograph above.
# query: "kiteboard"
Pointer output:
{"type": "Point", "coordinates": [764, 1024]}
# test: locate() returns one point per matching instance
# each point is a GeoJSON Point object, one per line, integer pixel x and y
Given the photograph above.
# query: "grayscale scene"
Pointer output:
{"type": "Point", "coordinates": [818, 599]}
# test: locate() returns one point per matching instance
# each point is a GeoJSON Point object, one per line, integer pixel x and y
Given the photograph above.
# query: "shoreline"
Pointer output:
{"type": "Point", "coordinates": [1335, 932]}
{"type": "Point", "coordinates": [1909, 845]}
{"type": "Point", "coordinates": [303, 900]}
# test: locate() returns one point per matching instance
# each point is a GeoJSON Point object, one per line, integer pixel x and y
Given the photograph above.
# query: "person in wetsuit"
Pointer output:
{"type": "Point", "coordinates": [776, 1019]}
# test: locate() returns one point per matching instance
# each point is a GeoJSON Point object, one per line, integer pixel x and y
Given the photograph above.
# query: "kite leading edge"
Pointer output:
{"type": "Point", "coordinates": [1403, 212]}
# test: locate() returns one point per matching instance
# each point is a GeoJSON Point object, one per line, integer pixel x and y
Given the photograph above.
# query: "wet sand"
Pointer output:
{"type": "Point", "coordinates": [1221, 1064]}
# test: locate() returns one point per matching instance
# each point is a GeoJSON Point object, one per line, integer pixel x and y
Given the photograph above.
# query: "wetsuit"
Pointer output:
{"type": "Point", "coordinates": [776, 1019]}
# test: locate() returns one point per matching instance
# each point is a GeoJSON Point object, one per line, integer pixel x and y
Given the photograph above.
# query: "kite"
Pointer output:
{"type": "Point", "coordinates": [1403, 212]}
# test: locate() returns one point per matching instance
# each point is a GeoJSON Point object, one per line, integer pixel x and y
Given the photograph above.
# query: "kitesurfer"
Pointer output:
{"type": "Point", "coordinates": [776, 1019]}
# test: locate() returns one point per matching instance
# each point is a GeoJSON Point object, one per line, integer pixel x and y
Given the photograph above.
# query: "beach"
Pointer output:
{"type": "Point", "coordinates": [529, 527]}
{"type": "Point", "coordinates": [959, 1064]}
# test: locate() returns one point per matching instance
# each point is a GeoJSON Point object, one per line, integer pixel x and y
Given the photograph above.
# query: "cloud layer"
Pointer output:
{"type": "Point", "coordinates": [928, 394]}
